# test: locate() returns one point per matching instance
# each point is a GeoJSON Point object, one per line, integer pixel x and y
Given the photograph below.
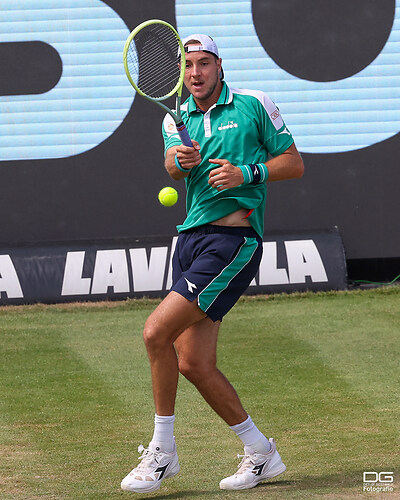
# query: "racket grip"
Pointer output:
{"type": "Point", "coordinates": [184, 135]}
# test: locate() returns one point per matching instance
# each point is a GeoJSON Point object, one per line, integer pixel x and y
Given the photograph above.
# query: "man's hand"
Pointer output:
{"type": "Point", "coordinates": [189, 157]}
{"type": "Point", "coordinates": [226, 176]}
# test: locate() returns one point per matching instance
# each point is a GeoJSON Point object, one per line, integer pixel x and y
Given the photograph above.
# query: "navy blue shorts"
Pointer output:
{"type": "Point", "coordinates": [215, 265]}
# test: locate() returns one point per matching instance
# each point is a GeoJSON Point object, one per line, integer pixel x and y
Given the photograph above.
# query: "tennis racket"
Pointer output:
{"type": "Point", "coordinates": [154, 62]}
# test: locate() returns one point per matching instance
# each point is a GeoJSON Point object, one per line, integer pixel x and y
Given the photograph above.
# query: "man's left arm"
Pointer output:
{"type": "Point", "coordinates": [287, 165]}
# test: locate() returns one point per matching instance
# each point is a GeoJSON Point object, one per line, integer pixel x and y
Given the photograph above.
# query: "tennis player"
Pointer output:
{"type": "Point", "coordinates": [239, 143]}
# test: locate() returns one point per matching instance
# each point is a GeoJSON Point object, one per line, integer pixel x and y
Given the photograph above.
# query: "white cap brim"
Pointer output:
{"type": "Point", "coordinates": [207, 44]}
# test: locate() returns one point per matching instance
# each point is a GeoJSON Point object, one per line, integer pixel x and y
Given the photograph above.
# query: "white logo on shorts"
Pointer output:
{"type": "Point", "coordinates": [190, 285]}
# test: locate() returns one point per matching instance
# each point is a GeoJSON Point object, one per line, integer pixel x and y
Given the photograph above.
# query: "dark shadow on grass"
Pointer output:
{"type": "Point", "coordinates": [340, 480]}
{"type": "Point", "coordinates": [332, 482]}
{"type": "Point", "coordinates": [180, 494]}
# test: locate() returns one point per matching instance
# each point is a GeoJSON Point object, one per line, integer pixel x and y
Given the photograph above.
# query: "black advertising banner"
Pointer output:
{"type": "Point", "coordinates": [116, 270]}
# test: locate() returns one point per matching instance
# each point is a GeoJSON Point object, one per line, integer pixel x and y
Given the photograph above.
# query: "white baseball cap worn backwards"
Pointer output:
{"type": "Point", "coordinates": [207, 44]}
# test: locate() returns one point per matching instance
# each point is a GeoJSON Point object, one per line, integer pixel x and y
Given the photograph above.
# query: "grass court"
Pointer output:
{"type": "Point", "coordinates": [319, 372]}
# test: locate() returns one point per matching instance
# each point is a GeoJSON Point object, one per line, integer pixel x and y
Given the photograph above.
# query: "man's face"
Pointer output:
{"type": "Point", "coordinates": [202, 75]}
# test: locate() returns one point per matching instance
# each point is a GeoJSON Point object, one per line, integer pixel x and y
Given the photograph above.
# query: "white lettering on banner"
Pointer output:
{"type": "Point", "coordinates": [148, 276]}
{"type": "Point", "coordinates": [169, 275]}
{"type": "Point", "coordinates": [9, 281]}
{"type": "Point", "coordinates": [304, 260]}
{"type": "Point", "coordinates": [73, 283]}
{"type": "Point", "coordinates": [269, 272]}
{"type": "Point", "coordinates": [148, 267]}
{"type": "Point", "coordinates": [110, 269]}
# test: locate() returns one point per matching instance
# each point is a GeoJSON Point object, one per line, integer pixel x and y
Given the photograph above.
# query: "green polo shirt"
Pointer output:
{"type": "Point", "coordinates": [243, 127]}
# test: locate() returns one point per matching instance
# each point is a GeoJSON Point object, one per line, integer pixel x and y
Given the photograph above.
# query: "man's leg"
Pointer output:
{"type": "Point", "coordinates": [173, 316]}
{"type": "Point", "coordinates": [196, 348]}
{"type": "Point", "coordinates": [197, 353]}
{"type": "Point", "coordinates": [160, 461]}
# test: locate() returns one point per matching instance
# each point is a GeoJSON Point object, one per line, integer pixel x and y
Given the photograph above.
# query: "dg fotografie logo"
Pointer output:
{"type": "Point", "coordinates": [378, 482]}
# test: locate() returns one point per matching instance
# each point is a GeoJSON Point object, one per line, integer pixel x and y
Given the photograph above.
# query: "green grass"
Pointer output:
{"type": "Point", "coordinates": [319, 372]}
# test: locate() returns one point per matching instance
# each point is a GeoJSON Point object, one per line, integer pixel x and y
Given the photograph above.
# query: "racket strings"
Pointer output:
{"type": "Point", "coordinates": [152, 59]}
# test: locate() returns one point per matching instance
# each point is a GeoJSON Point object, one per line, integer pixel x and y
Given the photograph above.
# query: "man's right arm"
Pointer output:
{"type": "Point", "coordinates": [186, 157]}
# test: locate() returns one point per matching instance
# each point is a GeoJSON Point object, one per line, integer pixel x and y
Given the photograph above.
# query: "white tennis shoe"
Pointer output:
{"type": "Point", "coordinates": [253, 469]}
{"type": "Point", "coordinates": [155, 466]}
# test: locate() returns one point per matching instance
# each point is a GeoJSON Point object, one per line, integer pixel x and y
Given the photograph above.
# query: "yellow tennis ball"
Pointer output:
{"type": "Point", "coordinates": [168, 196]}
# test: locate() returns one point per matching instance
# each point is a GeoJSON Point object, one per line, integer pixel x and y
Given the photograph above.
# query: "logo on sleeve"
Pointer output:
{"type": "Point", "coordinates": [284, 131]}
{"type": "Point", "coordinates": [275, 115]}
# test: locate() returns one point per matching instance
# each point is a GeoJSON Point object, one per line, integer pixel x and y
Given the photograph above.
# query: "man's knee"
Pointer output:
{"type": "Point", "coordinates": [195, 370]}
{"type": "Point", "coordinates": [153, 336]}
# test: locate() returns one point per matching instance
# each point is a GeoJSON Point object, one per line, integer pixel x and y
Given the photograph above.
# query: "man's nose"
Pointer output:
{"type": "Point", "coordinates": [195, 69]}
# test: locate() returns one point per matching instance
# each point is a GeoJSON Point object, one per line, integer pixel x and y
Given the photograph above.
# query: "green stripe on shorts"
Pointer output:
{"type": "Point", "coordinates": [221, 282]}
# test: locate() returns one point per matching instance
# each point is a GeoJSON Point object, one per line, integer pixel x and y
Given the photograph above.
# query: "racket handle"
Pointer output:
{"type": "Point", "coordinates": [184, 135]}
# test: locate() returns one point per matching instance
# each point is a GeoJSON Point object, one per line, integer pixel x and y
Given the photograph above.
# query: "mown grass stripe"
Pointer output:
{"type": "Point", "coordinates": [319, 372]}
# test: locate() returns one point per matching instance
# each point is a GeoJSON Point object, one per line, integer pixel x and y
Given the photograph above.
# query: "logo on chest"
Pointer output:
{"type": "Point", "coordinates": [229, 125]}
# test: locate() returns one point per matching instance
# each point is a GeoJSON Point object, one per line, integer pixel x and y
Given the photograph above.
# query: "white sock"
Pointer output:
{"type": "Point", "coordinates": [163, 437]}
{"type": "Point", "coordinates": [253, 440]}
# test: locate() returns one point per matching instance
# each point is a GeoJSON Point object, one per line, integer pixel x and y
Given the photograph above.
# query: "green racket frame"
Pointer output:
{"type": "Point", "coordinates": [176, 90]}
